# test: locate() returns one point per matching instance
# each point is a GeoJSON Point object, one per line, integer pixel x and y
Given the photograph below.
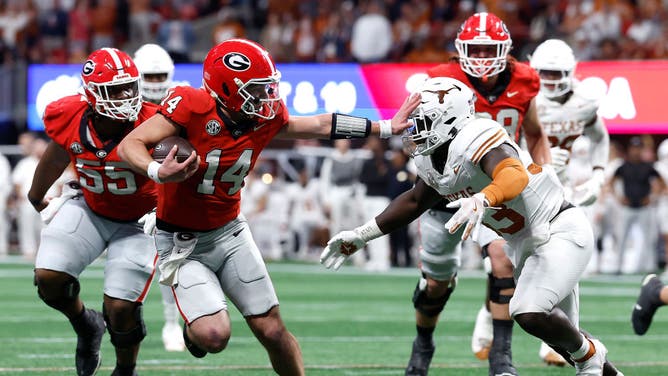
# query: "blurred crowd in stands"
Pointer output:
{"type": "Point", "coordinates": [61, 31]}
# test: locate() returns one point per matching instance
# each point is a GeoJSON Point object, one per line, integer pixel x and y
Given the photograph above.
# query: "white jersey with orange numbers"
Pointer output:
{"type": "Point", "coordinates": [463, 176]}
{"type": "Point", "coordinates": [564, 122]}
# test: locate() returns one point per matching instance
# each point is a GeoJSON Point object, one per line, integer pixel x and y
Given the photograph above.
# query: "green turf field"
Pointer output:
{"type": "Point", "coordinates": [348, 323]}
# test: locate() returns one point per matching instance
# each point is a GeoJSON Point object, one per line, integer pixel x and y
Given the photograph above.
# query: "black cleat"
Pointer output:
{"type": "Point", "coordinates": [193, 348]}
{"type": "Point", "coordinates": [89, 328]}
{"type": "Point", "coordinates": [421, 356]}
{"type": "Point", "coordinates": [501, 364]}
{"type": "Point", "coordinates": [647, 304]}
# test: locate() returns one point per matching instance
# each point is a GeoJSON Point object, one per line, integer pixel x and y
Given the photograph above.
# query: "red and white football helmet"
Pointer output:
{"type": "Point", "coordinates": [111, 83]}
{"type": "Point", "coordinates": [483, 29]}
{"type": "Point", "coordinates": [241, 75]}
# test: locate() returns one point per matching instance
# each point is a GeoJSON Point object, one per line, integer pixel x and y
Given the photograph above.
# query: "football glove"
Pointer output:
{"type": "Point", "coordinates": [559, 158]}
{"type": "Point", "coordinates": [70, 189]}
{"type": "Point", "coordinates": [471, 211]}
{"type": "Point", "coordinates": [586, 193]}
{"type": "Point", "coordinates": [338, 248]}
{"type": "Point", "coordinates": [148, 220]}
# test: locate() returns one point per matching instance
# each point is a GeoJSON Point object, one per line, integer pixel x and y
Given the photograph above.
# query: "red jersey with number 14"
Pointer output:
{"type": "Point", "coordinates": [509, 108]}
{"type": "Point", "coordinates": [211, 197]}
{"type": "Point", "coordinates": [111, 189]}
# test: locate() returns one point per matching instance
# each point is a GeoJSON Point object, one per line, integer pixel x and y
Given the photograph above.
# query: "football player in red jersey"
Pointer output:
{"type": "Point", "coordinates": [209, 253]}
{"type": "Point", "coordinates": [85, 130]}
{"type": "Point", "coordinates": [505, 91]}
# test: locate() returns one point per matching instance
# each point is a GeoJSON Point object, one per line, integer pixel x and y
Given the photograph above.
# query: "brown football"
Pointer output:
{"type": "Point", "coordinates": [163, 147]}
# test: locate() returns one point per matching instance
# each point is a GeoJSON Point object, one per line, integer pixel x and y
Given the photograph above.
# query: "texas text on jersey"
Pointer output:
{"type": "Point", "coordinates": [111, 188]}
{"type": "Point", "coordinates": [565, 122]}
{"type": "Point", "coordinates": [518, 84]}
{"type": "Point", "coordinates": [228, 151]}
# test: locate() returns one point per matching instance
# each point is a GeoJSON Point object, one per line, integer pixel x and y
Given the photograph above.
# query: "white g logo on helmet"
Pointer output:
{"type": "Point", "coordinates": [236, 61]}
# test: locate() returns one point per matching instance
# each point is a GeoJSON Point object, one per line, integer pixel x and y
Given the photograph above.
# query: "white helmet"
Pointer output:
{"type": "Point", "coordinates": [152, 59]}
{"type": "Point", "coordinates": [447, 105]}
{"type": "Point", "coordinates": [555, 56]}
{"type": "Point", "coordinates": [662, 151]}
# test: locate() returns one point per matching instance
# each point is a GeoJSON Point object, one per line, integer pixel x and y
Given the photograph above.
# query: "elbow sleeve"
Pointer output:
{"type": "Point", "coordinates": [509, 179]}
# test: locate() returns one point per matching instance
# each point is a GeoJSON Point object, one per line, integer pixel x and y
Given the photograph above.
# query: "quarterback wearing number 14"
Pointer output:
{"type": "Point", "coordinates": [207, 252]}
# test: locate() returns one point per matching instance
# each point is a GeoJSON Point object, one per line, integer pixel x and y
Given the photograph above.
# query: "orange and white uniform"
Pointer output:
{"type": "Point", "coordinates": [541, 238]}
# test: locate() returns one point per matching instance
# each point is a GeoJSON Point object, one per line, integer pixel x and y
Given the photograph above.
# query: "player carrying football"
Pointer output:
{"type": "Point", "coordinates": [208, 251]}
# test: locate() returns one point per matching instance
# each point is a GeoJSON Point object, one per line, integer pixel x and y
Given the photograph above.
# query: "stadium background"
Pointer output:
{"type": "Point", "coordinates": [351, 322]}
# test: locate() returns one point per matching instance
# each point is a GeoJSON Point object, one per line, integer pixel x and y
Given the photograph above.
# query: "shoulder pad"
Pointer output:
{"type": "Point", "coordinates": [442, 70]}
{"type": "Point", "coordinates": [527, 77]}
{"type": "Point", "coordinates": [59, 114]}
{"type": "Point", "coordinates": [479, 137]}
{"type": "Point", "coordinates": [197, 100]}
{"type": "Point", "coordinates": [184, 102]}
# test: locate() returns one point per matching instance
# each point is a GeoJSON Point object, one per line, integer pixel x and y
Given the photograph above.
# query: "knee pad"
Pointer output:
{"type": "Point", "coordinates": [495, 286]}
{"type": "Point", "coordinates": [429, 307]}
{"type": "Point", "coordinates": [134, 336]}
{"type": "Point", "coordinates": [68, 293]}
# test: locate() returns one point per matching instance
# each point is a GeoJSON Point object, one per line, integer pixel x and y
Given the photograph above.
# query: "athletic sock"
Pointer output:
{"type": "Point", "coordinates": [425, 334]}
{"type": "Point", "coordinates": [503, 335]}
{"type": "Point", "coordinates": [583, 353]}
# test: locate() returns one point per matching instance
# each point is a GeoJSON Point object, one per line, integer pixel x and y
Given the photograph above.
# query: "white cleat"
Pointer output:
{"type": "Point", "coordinates": [483, 334]}
{"type": "Point", "coordinates": [594, 365]}
{"type": "Point", "coordinates": [172, 337]}
{"type": "Point", "coordinates": [551, 357]}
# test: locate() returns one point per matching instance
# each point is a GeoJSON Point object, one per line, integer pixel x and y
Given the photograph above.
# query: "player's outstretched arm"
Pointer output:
{"type": "Point", "coordinates": [50, 167]}
{"type": "Point", "coordinates": [346, 126]}
{"type": "Point", "coordinates": [401, 211]}
{"type": "Point", "coordinates": [134, 150]}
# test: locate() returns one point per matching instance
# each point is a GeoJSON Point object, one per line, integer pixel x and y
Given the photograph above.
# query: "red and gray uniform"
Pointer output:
{"type": "Point", "coordinates": [208, 206]}
{"type": "Point", "coordinates": [114, 197]}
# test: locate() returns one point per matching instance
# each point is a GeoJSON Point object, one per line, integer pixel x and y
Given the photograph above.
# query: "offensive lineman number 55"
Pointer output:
{"type": "Point", "coordinates": [234, 175]}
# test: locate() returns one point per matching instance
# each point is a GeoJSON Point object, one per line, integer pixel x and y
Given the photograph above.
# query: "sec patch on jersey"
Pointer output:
{"type": "Point", "coordinates": [163, 147]}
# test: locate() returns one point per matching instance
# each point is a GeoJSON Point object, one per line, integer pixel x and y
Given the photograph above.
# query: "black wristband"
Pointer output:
{"type": "Point", "coordinates": [347, 126]}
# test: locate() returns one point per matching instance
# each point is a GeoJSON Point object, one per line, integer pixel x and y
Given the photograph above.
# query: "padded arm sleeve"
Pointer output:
{"type": "Point", "coordinates": [509, 179]}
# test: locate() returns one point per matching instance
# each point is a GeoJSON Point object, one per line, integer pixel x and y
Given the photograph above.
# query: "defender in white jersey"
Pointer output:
{"type": "Point", "coordinates": [482, 172]}
{"type": "Point", "coordinates": [567, 109]}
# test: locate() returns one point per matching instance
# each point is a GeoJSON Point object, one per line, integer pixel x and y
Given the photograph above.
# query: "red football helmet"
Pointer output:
{"type": "Point", "coordinates": [483, 43]}
{"type": "Point", "coordinates": [111, 82]}
{"type": "Point", "coordinates": [241, 75]}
